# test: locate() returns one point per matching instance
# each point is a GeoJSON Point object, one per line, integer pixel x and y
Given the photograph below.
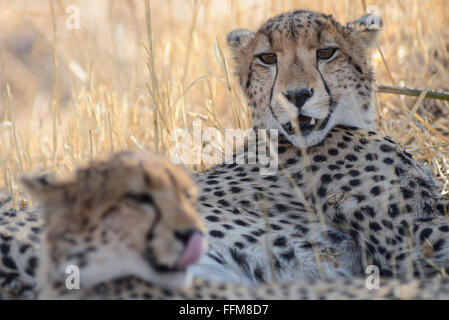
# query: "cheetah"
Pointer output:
{"type": "Point", "coordinates": [136, 239]}
{"type": "Point", "coordinates": [344, 196]}
{"type": "Point", "coordinates": [144, 226]}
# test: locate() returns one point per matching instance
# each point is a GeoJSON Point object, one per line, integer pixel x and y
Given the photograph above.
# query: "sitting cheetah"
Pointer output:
{"type": "Point", "coordinates": [344, 196]}
{"type": "Point", "coordinates": [136, 239]}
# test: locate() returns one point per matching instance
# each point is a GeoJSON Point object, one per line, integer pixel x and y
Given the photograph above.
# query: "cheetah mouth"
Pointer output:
{"type": "Point", "coordinates": [166, 269]}
{"type": "Point", "coordinates": [192, 253]}
{"type": "Point", "coordinates": [162, 268]}
{"type": "Point", "coordinates": [306, 124]}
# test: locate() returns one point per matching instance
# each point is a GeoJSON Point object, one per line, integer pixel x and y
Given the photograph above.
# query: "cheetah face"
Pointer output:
{"type": "Point", "coordinates": [133, 215]}
{"type": "Point", "coordinates": [304, 73]}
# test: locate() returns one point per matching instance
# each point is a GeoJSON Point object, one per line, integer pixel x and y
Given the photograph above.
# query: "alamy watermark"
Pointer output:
{"type": "Point", "coordinates": [211, 147]}
{"type": "Point", "coordinates": [72, 21]}
{"type": "Point", "coordinates": [373, 21]}
{"type": "Point", "coordinates": [72, 281]}
{"type": "Point", "coordinates": [373, 278]}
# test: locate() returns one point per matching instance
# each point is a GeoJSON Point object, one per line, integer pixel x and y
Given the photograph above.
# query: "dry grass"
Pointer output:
{"type": "Point", "coordinates": [68, 96]}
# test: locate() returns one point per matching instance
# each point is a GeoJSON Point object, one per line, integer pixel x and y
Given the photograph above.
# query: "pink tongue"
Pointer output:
{"type": "Point", "coordinates": [192, 252]}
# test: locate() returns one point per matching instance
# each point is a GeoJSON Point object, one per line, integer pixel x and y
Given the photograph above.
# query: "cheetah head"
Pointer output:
{"type": "Point", "coordinates": [304, 73]}
{"type": "Point", "coordinates": [132, 215]}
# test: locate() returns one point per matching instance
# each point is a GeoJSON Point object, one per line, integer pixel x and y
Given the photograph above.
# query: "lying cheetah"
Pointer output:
{"type": "Point", "coordinates": [344, 196]}
{"type": "Point", "coordinates": [136, 239]}
{"type": "Point", "coordinates": [131, 215]}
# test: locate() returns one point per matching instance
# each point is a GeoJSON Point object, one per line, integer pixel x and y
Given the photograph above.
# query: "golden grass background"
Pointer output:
{"type": "Point", "coordinates": [68, 96]}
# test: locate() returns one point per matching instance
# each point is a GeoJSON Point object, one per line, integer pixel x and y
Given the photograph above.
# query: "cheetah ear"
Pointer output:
{"type": "Point", "coordinates": [48, 192]}
{"type": "Point", "coordinates": [367, 27]}
{"type": "Point", "coordinates": [239, 39]}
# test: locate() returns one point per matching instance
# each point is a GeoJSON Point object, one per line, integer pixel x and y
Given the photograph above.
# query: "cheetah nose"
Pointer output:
{"type": "Point", "coordinates": [298, 97]}
{"type": "Point", "coordinates": [194, 249]}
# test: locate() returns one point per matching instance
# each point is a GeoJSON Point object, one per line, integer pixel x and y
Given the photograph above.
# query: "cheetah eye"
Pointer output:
{"type": "Point", "coordinates": [267, 58]}
{"type": "Point", "coordinates": [326, 53]}
{"type": "Point", "coordinates": [139, 199]}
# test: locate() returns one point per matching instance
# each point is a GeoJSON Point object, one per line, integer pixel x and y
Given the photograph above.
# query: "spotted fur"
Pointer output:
{"type": "Point", "coordinates": [100, 227]}
{"type": "Point", "coordinates": [356, 200]}
{"type": "Point", "coordinates": [20, 230]}
{"type": "Point", "coordinates": [342, 289]}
